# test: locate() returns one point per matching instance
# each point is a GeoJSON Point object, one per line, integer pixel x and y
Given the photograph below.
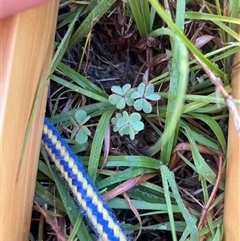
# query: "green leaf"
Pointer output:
{"type": "Point", "coordinates": [118, 90]}
{"type": "Point", "coordinates": [71, 208]}
{"type": "Point", "coordinates": [214, 127]}
{"type": "Point", "coordinates": [121, 104]}
{"type": "Point", "coordinates": [74, 131]}
{"type": "Point", "coordinates": [153, 97]}
{"type": "Point", "coordinates": [134, 117]}
{"type": "Point", "coordinates": [142, 93]}
{"type": "Point", "coordinates": [168, 201]}
{"type": "Point", "coordinates": [142, 104]}
{"type": "Point", "coordinates": [138, 104]}
{"type": "Point", "coordinates": [132, 133]}
{"type": "Point", "coordinates": [122, 122]}
{"type": "Point", "coordinates": [97, 144]}
{"type": "Point", "coordinates": [81, 117]}
{"type": "Point", "coordinates": [145, 12]}
{"type": "Point", "coordinates": [126, 88]}
{"type": "Point", "coordinates": [80, 80]}
{"type": "Point", "coordinates": [86, 130]}
{"type": "Point", "coordinates": [138, 126]}
{"type": "Point", "coordinates": [127, 161]}
{"type": "Point", "coordinates": [92, 18]}
{"type": "Point", "coordinates": [168, 178]}
{"type": "Point", "coordinates": [61, 49]}
{"type": "Point", "coordinates": [127, 125]}
{"type": "Point", "coordinates": [149, 89]}
{"type": "Point", "coordinates": [138, 17]}
{"type": "Point", "coordinates": [136, 95]}
{"type": "Point", "coordinates": [48, 197]}
{"type": "Point", "coordinates": [117, 100]}
{"type": "Point", "coordinates": [78, 89]}
{"type": "Point", "coordinates": [81, 132]}
{"type": "Point", "coordinates": [183, 39]}
{"type": "Point", "coordinates": [119, 203]}
{"type": "Point", "coordinates": [141, 89]}
{"type": "Point", "coordinates": [121, 96]}
{"type": "Point", "coordinates": [81, 136]}
{"type": "Point", "coordinates": [115, 122]}
{"type": "Point", "coordinates": [126, 129]}
{"type": "Point", "coordinates": [203, 168]}
{"type": "Point", "coordinates": [128, 97]}
{"type": "Point", "coordinates": [117, 177]}
{"type": "Point", "coordinates": [135, 121]}
{"type": "Point", "coordinates": [177, 91]}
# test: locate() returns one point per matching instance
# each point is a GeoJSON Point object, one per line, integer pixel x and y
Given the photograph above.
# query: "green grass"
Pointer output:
{"type": "Point", "coordinates": [174, 200]}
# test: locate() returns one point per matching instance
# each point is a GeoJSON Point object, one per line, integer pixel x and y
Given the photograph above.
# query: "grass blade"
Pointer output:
{"type": "Point", "coordinates": [80, 80]}
{"type": "Point", "coordinates": [159, 9]}
{"type": "Point", "coordinates": [177, 90]}
{"type": "Point", "coordinates": [92, 18]}
{"type": "Point", "coordinates": [168, 201]}
{"type": "Point", "coordinates": [78, 89]}
{"type": "Point", "coordinates": [138, 17]}
{"type": "Point", "coordinates": [97, 144]}
{"type": "Point", "coordinates": [214, 127]}
{"type": "Point", "coordinates": [71, 209]}
{"type": "Point", "coordinates": [190, 221]}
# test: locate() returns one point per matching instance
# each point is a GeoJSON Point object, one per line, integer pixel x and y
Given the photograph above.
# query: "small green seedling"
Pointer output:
{"type": "Point", "coordinates": [143, 94]}
{"type": "Point", "coordinates": [127, 125]}
{"type": "Point", "coordinates": [121, 96]}
{"type": "Point", "coordinates": [80, 131]}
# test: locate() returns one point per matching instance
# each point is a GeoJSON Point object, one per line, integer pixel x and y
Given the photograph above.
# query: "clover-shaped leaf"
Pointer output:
{"type": "Point", "coordinates": [81, 132]}
{"type": "Point", "coordinates": [121, 96]}
{"type": "Point", "coordinates": [81, 117]}
{"type": "Point", "coordinates": [127, 125]}
{"type": "Point", "coordinates": [117, 100]}
{"type": "Point", "coordinates": [128, 97]}
{"type": "Point", "coordinates": [115, 123]}
{"type": "Point", "coordinates": [142, 95]}
{"type": "Point", "coordinates": [142, 104]}
{"type": "Point", "coordinates": [135, 121]}
{"type": "Point", "coordinates": [146, 92]}
{"type": "Point", "coordinates": [149, 93]}
{"type": "Point", "coordinates": [139, 93]}
{"type": "Point", "coordinates": [82, 135]}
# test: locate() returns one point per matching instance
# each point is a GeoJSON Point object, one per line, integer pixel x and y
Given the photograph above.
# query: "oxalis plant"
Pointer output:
{"type": "Point", "coordinates": [139, 98]}
{"type": "Point", "coordinates": [80, 131]}
{"type": "Point", "coordinates": [123, 122]}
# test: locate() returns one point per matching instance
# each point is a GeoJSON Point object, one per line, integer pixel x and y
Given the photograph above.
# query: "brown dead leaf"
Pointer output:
{"type": "Point", "coordinates": [135, 211]}
{"type": "Point", "coordinates": [186, 146]}
{"type": "Point", "coordinates": [125, 186]}
{"type": "Point", "coordinates": [54, 227]}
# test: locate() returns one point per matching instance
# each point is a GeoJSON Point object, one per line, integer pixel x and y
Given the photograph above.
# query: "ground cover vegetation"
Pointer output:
{"type": "Point", "coordinates": [138, 90]}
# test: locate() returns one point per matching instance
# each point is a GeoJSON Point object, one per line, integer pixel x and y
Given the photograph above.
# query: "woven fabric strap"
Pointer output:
{"type": "Point", "coordinates": [88, 198]}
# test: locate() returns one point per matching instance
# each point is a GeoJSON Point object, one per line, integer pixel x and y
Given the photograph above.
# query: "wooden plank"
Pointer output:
{"type": "Point", "coordinates": [232, 188]}
{"type": "Point", "coordinates": [231, 215]}
{"type": "Point", "coordinates": [26, 42]}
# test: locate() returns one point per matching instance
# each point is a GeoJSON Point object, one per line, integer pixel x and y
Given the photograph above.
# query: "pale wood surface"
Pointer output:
{"type": "Point", "coordinates": [232, 189]}
{"type": "Point", "coordinates": [26, 44]}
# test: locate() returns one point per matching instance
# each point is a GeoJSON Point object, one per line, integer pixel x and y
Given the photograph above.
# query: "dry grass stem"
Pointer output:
{"type": "Point", "coordinates": [220, 89]}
